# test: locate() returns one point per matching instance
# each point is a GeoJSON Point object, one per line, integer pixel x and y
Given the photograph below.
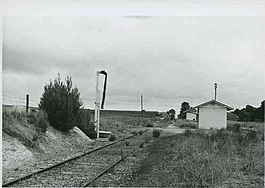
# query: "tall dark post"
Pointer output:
{"type": "Point", "coordinates": [27, 103]}
{"type": "Point", "coordinates": [215, 87]}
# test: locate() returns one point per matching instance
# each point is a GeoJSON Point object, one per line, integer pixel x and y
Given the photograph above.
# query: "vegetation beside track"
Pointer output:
{"type": "Point", "coordinates": [215, 158]}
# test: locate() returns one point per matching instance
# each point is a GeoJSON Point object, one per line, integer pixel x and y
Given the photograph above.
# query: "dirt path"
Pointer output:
{"type": "Point", "coordinates": [171, 130]}
{"type": "Point", "coordinates": [157, 168]}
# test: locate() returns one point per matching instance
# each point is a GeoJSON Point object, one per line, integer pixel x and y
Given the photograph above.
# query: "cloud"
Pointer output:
{"type": "Point", "coordinates": [167, 59]}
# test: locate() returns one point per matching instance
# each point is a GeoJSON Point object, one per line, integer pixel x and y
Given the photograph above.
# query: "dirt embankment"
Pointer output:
{"type": "Point", "coordinates": [25, 149]}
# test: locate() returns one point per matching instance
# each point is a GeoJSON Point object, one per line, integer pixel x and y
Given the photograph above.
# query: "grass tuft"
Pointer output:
{"type": "Point", "coordinates": [156, 132]}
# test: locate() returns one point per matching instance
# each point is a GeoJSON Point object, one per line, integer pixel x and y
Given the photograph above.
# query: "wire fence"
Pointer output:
{"type": "Point", "coordinates": [9, 100]}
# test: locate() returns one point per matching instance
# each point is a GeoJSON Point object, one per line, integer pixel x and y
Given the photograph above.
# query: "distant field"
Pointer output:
{"type": "Point", "coordinates": [122, 125]}
{"type": "Point", "coordinates": [129, 113]}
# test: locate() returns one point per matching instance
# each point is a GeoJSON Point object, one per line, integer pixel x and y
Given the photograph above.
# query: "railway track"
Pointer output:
{"type": "Point", "coordinates": [82, 170]}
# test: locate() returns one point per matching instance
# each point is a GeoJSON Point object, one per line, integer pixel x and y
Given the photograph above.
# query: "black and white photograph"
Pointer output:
{"type": "Point", "coordinates": [133, 97]}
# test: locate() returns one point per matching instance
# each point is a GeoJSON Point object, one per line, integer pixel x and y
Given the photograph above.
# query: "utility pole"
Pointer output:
{"type": "Point", "coordinates": [142, 106]}
{"type": "Point", "coordinates": [27, 103]}
{"type": "Point", "coordinates": [215, 88]}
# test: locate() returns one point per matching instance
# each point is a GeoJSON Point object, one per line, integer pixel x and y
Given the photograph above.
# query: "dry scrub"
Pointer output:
{"type": "Point", "coordinates": [204, 159]}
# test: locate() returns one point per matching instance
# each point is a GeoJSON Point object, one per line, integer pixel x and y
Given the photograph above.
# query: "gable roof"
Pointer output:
{"type": "Point", "coordinates": [215, 102]}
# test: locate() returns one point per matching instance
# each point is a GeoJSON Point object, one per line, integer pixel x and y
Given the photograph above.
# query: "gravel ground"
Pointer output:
{"type": "Point", "coordinates": [78, 172]}
{"type": "Point", "coordinates": [43, 161]}
{"type": "Point", "coordinates": [122, 173]}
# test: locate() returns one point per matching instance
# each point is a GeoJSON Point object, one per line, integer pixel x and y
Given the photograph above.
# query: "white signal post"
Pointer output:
{"type": "Point", "coordinates": [97, 104]}
{"type": "Point", "coordinates": [97, 100]}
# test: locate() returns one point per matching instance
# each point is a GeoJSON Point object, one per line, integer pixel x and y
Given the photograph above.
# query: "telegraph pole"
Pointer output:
{"type": "Point", "coordinates": [142, 106]}
{"type": "Point", "coordinates": [215, 88]}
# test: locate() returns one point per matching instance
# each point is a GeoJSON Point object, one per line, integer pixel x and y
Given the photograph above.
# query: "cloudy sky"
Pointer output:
{"type": "Point", "coordinates": [167, 59]}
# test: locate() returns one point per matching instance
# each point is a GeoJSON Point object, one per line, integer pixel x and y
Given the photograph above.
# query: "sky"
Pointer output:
{"type": "Point", "coordinates": [167, 59]}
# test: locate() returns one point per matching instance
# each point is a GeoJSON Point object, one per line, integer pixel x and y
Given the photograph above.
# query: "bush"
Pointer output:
{"type": "Point", "coordinates": [252, 135]}
{"type": "Point", "coordinates": [112, 137]}
{"type": "Point", "coordinates": [262, 137]}
{"type": "Point", "coordinates": [84, 124]}
{"type": "Point", "coordinates": [61, 102]}
{"type": "Point", "coordinates": [234, 128]}
{"type": "Point", "coordinates": [187, 132]}
{"type": "Point", "coordinates": [149, 125]}
{"type": "Point", "coordinates": [156, 133]}
{"type": "Point", "coordinates": [39, 119]}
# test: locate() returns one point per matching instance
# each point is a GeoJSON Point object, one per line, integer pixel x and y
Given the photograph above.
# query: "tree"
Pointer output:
{"type": "Point", "coordinates": [61, 103]}
{"type": "Point", "coordinates": [259, 113]}
{"type": "Point", "coordinates": [171, 113]}
{"type": "Point", "coordinates": [184, 106]}
{"type": "Point", "coordinates": [250, 113]}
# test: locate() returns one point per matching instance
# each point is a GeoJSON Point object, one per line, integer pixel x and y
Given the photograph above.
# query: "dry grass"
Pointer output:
{"type": "Point", "coordinates": [203, 159]}
{"type": "Point", "coordinates": [257, 125]}
{"type": "Point", "coordinates": [121, 125]}
{"type": "Point", "coordinates": [208, 159]}
{"type": "Point", "coordinates": [23, 126]}
{"type": "Point", "coordinates": [184, 123]}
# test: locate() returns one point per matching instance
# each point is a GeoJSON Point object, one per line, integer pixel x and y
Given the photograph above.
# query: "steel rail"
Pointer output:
{"type": "Point", "coordinates": [63, 162]}
{"type": "Point", "coordinates": [109, 167]}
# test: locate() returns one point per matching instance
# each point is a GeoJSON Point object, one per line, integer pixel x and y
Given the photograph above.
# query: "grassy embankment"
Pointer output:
{"type": "Point", "coordinates": [26, 127]}
{"type": "Point", "coordinates": [214, 158]}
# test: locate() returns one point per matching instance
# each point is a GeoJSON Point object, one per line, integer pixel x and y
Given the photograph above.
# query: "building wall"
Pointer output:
{"type": "Point", "coordinates": [190, 116]}
{"type": "Point", "coordinates": [212, 116]}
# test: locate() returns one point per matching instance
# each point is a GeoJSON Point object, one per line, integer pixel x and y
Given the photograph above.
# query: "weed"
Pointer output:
{"type": "Point", "coordinates": [234, 127]}
{"type": "Point", "coordinates": [112, 137]}
{"type": "Point", "coordinates": [252, 135]}
{"type": "Point", "coordinates": [156, 133]}
{"type": "Point", "coordinates": [150, 125]}
{"type": "Point", "coordinates": [187, 132]}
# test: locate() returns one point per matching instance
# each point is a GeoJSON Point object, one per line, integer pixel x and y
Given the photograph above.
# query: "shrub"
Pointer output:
{"type": "Point", "coordinates": [61, 103]}
{"type": "Point", "coordinates": [234, 128]}
{"type": "Point", "coordinates": [252, 135]}
{"type": "Point", "coordinates": [84, 124]}
{"type": "Point", "coordinates": [42, 122]}
{"type": "Point", "coordinates": [140, 132]}
{"type": "Point", "coordinates": [149, 125]}
{"type": "Point", "coordinates": [187, 132]}
{"type": "Point", "coordinates": [112, 137]}
{"type": "Point", "coordinates": [262, 137]}
{"type": "Point", "coordinates": [141, 145]}
{"type": "Point", "coordinates": [156, 133]}
{"type": "Point", "coordinates": [39, 119]}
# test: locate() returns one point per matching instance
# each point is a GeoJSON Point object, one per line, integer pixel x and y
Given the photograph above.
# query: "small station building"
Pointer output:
{"type": "Point", "coordinates": [212, 114]}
